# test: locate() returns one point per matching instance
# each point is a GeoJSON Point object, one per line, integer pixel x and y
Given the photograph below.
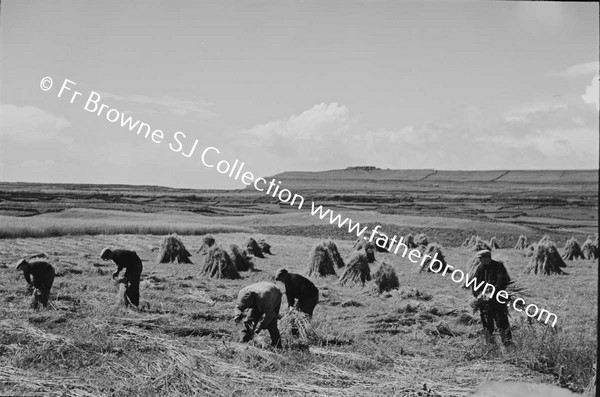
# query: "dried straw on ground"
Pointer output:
{"type": "Point", "coordinates": [240, 259]}
{"type": "Point", "coordinates": [572, 250]}
{"type": "Point", "coordinates": [410, 241]}
{"type": "Point", "coordinates": [421, 239]}
{"type": "Point", "coordinates": [545, 260]}
{"type": "Point", "coordinates": [385, 278]}
{"type": "Point", "coordinates": [172, 249]}
{"type": "Point", "coordinates": [434, 251]}
{"type": "Point", "coordinates": [589, 249]}
{"type": "Point", "coordinates": [357, 270]}
{"type": "Point", "coordinates": [207, 242]}
{"type": "Point", "coordinates": [264, 246]}
{"type": "Point", "coordinates": [521, 243]}
{"type": "Point", "coordinates": [334, 254]}
{"type": "Point", "coordinates": [494, 243]}
{"type": "Point", "coordinates": [253, 248]}
{"type": "Point", "coordinates": [218, 264]}
{"type": "Point", "coordinates": [320, 264]}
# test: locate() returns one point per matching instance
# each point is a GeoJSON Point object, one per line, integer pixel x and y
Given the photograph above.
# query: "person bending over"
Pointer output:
{"type": "Point", "coordinates": [39, 275]}
{"type": "Point", "coordinates": [262, 302]}
{"type": "Point", "coordinates": [131, 262]}
{"type": "Point", "coordinates": [301, 293]}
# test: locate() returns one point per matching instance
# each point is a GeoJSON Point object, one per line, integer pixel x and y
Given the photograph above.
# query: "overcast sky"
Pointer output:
{"type": "Point", "coordinates": [297, 85]}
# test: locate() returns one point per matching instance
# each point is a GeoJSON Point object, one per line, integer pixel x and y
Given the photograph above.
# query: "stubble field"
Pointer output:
{"type": "Point", "coordinates": [420, 340]}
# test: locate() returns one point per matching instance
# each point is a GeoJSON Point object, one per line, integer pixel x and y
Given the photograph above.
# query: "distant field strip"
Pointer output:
{"type": "Point", "coordinates": [337, 219]}
{"type": "Point", "coordinates": [18, 227]}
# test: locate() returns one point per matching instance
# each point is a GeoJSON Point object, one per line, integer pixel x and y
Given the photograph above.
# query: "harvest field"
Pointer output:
{"type": "Point", "coordinates": [420, 340]}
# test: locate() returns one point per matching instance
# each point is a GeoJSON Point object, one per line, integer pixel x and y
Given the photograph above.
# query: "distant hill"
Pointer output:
{"type": "Point", "coordinates": [369, 173]}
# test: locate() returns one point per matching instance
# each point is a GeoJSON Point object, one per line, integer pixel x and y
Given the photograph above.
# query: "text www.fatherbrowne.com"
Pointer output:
{"type": "Point", "coordinates": [210, 158]}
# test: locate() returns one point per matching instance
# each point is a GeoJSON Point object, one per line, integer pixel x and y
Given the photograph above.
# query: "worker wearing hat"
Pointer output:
{"type": "Point", "coordinates": [494, 273]}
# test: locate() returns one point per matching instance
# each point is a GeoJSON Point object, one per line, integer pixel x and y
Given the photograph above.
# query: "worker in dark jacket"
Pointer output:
{"type": "Point", "coordinates": [262, 302]}
{"type": "Point", "coordinates": [301, 293]}
{"type": "Point", "coordinates": [131, 262]}
{"type": "Point", "coordinates": [43, 276]}
{"type": "Point", "coordinates": [494, 273]}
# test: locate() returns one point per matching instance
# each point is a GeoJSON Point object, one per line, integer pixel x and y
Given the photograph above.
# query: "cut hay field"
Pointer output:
{"type": "Point", "coordinates": [421, 340]}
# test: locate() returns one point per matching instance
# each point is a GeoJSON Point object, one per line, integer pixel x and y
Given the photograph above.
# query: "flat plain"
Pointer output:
{"type": "Point", "coordinates": [420, 340]}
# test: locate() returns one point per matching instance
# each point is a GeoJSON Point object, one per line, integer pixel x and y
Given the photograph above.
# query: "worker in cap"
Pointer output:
{"type": "Point", "coordinates": [493, 309]}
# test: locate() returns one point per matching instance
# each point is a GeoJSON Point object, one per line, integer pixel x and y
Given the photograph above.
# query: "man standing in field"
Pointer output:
{"type": "Point", "coordinates": [132, 264]}
{"type": "Point", "coordinates": [43, 276]}
{"type": "Point", "coordinates": [262, 300]}
{"type": "Point", "coordinates": [492, 311]}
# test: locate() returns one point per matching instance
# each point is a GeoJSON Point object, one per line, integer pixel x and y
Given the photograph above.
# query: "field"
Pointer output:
{"type": "Point", "coordinates": [421, 340]}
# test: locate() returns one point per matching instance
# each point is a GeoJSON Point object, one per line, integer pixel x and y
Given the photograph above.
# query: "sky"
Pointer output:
{"type": "Point", "coordinates": [294, 86]}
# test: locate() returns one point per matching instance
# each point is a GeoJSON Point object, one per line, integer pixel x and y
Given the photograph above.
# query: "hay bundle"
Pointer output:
{"type": "Point", "coordinates": [253, 248]}
{"type": "Point", "coordinates": [334, 254]}
{"type": "Point", "coordinates": [545, 238]}
{"type": "Point", "coordinates": [421, 239]}
{"type": "Point", "coordinates": [469, 242]}
{"type": "Point", "coordinates": [589, 249]}
{"type": "Point", "coordinates": [494, 243]}
{"type": "Point", "coordinates": [474, 262]}
{"type": "Point", "coordinates": [481, 244]}
{"type": "Point", "coordinates": [410, 241]}
{"type": "Point", "coordinates": [385, 278]}
{"type": "Point", "coordinates": [320, 263]}
{"type": "Point", "coordinates": [357, 270]}
{"type": "Point", "coordinates": [36, 299]}
{"type": "Point", "coordinates": [431, 250]}
{"type": "Point", "coordinates": [264, 246]}
{"type": "Point", "coordinates": [530, 249]}
{"type": "Point", "coordinates": [240, 258]}
{"type": "Point", "coordinates": [172, 249]}
{"type": "Point", "coordinates": [207, 242]}
{"type": "Point", "coordinates": [299, 321]}
{"type": "Point", "coordinates": [218, 264]}
{"type": "Point", "coordinates": [572, 250]}
{"type": "Point", "coordinates": [367, 246]}
{"type": "Point", "coordinates": [521, 243]}
{"type": "Point", "coordinates": [370, 252]}
{"type": "Point", "coordinates": [121, 299]}
{"type": "Point", "coordinates": [545, 260]}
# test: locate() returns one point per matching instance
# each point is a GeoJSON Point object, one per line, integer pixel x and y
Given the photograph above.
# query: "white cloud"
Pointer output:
{"type": "Point", "coordinates": [317, 123]}
{"type": "Point", "coordinates": [328, 136]}
{"type": "Point", "coordinates": [170, 104]}
{"type": "Point", "coordinates": [528, 112]}
{"type": "Point", "coordinates": [28, 124]}
{"type": "Point", "coordinates": [591, 93]}
{"type": "Point", "coordinates": [579, 70]}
